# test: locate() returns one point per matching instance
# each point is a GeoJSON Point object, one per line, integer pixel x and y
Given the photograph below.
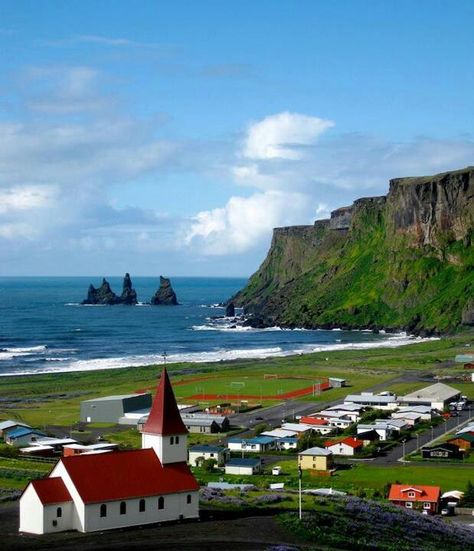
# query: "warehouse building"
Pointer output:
{"type": "Point", "coordinates": [110, 409]}
{"type": "Point", "coordinates": [437, 396]}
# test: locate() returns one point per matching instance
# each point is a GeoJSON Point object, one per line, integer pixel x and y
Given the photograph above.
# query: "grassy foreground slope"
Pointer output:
{"type": "Point", "coordinates": [404, 261]}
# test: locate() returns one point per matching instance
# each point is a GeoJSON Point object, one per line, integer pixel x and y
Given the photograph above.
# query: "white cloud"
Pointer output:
{"type": "Point", "coordinates": [20, 198]}
{"type": "Point", "coordinates": [245, 222]}
{"type": "Point", "coordinates": [283, 136]}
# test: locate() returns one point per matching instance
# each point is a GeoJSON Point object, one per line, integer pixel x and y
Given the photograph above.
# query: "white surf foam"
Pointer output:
{"type": "Point", "coordinates": [217, 355]}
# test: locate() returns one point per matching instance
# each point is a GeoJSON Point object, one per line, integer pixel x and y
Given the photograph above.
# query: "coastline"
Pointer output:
{"type": "Point", "coordinates": [222, 355]}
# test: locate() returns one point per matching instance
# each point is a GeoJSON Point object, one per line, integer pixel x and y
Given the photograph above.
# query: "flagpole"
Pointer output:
{"type": "Point", "coordinates": [300, 474]}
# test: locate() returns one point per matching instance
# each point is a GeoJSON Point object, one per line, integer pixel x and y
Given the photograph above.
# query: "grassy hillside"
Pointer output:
{"type": "Point", "coordinates": [390, 268]}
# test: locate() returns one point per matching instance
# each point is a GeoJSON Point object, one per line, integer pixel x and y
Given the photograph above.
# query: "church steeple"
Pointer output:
{"type": "Point", "coordinates": [164, 430]}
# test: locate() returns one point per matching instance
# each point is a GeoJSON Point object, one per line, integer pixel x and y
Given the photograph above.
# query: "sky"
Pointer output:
{"type": "Point", "coordinates": [158, 137]}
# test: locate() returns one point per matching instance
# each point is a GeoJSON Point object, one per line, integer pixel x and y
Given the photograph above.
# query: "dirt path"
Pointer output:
{"type": "Point", "coordinates": [215, 531]}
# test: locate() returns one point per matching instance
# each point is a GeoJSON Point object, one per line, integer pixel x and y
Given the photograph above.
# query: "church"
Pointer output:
{"type": "Point", "coordinates": [117, 489]}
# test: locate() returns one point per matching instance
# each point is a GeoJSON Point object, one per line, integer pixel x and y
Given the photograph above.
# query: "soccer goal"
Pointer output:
{"type": "Point", "coordinates": [237, 384]}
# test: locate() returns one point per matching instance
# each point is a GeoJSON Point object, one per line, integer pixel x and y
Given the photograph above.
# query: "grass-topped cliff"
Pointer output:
{"type": "Point", "coordinates": [401, 261]}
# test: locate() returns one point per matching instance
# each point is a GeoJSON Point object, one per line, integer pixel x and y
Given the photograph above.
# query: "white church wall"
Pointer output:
{"type": "Point", "coordinates": [78, 509]}
{"type": "Point", "coordinates": [175, 507]}
{"type": "Point", "coordinates": [31, 512]}
{"type": "Point", "coordinates": [55, 523]}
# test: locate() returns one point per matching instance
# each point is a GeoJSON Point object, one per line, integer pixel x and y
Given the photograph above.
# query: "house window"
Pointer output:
{"type": "Point", "coordinates": [426, 505]}
{"type": "Point", "coordinates": [172, 440]}
{"type": "Point", "coordinates": [141, 506]}
{"type": "Point", "coordinates": [103, 510]}
{"type": "Point", "coordinates": [161, 502]}
{"type": "Point", "coordinates": [409, 505]}
{"type": "Point", "coordinates": [411, 494]}
{"type": "Point", "coordinates": [123, 508]}
{"type": "Point", "coordinates": [177, 440]}
{"type": "Point", "coordinates": [59, 512]}
{"type": "Point", "coordinates": [188, 499]}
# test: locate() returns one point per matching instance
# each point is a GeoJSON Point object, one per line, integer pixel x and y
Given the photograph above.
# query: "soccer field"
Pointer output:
{"type": "Point", "coordinates": [255, 387]}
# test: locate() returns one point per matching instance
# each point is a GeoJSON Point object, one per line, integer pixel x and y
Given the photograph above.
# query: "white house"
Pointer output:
{"type": "Point", "coordinates": [254, 445]}
{"type": "Point", "coordinates": [287, 443]}
{"type": "Point", "coordinates": [382, 429]}
{"type": "Point", "coordinates": [425, 412]}
{"type": "Point", "coordinates": [437, 396]}
{"type": "Point", "coordinates": [411, 418]}
{"type": "Point", "coordinates": [198, 453]}
{"type": "Point", "coordinates": [101, 491]}
{"type": "Point", "coordinates": [347, 446]}
{"type": "Point", "coordinates": [244, 466]}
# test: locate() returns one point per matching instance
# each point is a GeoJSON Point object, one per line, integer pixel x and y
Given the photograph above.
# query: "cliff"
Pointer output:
{"type": "Point", "coordinates": [165, 295]}
{"type": "Point", "coordinates": [405, 260]}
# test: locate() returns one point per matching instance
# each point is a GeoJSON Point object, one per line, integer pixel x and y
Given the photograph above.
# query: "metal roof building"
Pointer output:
{"type": "Point", "coordinates": [110, 409]}
{"type": "Point", "coordinates": [436, 396]}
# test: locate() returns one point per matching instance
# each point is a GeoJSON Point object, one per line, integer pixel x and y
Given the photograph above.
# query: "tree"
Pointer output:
{"type": "Point", "coordinates": [209, 464]}
{"type": "Point", "coordinates": [261, 427]}
{"type": "Point", "coordinates": [468, 499]}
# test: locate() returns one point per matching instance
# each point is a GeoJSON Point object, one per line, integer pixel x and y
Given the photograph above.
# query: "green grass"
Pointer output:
{"type": "Point", "coordinates": [362, 476]}
{"type": "Point", "coordinates": [57, 396]}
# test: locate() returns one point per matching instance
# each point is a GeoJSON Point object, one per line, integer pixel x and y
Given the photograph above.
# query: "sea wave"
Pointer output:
{"type": "Point", "coordinates": [220, 325]}
{"type": "Point", "coordinates": [217, 355]}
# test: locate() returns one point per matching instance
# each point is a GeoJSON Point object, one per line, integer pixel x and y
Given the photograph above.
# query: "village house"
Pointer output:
{"type": "Point", "coordinates": [243, 466]}
{"type": "Point", "coordinates": [205, 422]}
{"type": "Point", "coordinates": [336, 418]}
{"type": "Point", "coordinates": [315, 459]}
{"type": "Point", "coordinates": [424, 498]}
{"type": "Point", "coordinates": [382, 429]}
{"type": "Point", "coordinates": [317, 424]}
{"type": "Point", "coordinates": [198, 454]}
{"type": "Point", "coordinates": [464, 441]}
{"type": "Point", "coordinates": [346, 446]}
{"type": "Point", "coordinates": [258, 444]}
{"type": "Point", "coordinates": [442, 451]}
{"type": "Point", "coordinates": [101, 491]}
{"type": "Point", "coordinates": [425, 412]}
{"type": "Point", "coordinates": [410, 418]}
{"type": "Point", "coordinates": [287, 443]}
{"type": "Point", "coordinates": [9, 424]}
{"type": "Point", "coordinates": [22, 436]}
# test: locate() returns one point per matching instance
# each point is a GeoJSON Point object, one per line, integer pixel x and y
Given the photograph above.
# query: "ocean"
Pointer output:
{"type": "Point", "coordinates": [44, 329]}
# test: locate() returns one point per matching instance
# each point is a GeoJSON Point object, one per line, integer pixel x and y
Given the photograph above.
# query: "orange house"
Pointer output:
{"type": "Point", "coordinates": [424, 498]}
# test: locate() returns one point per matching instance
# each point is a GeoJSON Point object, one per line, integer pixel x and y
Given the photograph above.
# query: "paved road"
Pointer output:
{"type": "Point", "coordinates": [396, 454]}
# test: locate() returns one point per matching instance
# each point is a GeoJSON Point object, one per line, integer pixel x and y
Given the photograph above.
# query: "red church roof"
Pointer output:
{"type": "Point", "coordinates": [399, 492]}
{"type": "Point", "coordinates": [164, 416]}
{"type": "Point", "coordinates": [125, 475]}
{"type": "Point", "coordinates": [51, 490]}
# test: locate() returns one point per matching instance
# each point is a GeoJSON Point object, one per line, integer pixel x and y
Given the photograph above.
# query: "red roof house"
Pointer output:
{"type": "Point", "coordinates": [344, 446]}
{"type": "Point", "coordinates": [313, 421]}
{"type": "Point", "coordinates": [424, 498]}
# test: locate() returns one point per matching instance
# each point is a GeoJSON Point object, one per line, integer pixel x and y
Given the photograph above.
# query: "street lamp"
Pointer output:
{"type": "Point", "coordinates": [403, 444]}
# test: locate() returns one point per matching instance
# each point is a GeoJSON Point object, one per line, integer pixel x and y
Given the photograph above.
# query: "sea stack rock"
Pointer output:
{"type": "Point", "coordinates": [230, 310]}
{"type": "Point", "coordinates": [129, 295]}
{"type": "Point", "coordinates": [164, 295]}
{"type": "Point", "coordinates": [102, 295]}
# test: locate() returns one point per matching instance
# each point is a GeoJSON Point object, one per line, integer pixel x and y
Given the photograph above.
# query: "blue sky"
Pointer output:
{"type": "Point", "coordinates": [171, 137]}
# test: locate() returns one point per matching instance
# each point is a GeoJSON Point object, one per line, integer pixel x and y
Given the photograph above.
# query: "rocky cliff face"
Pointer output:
{"type": "Point", "coordinates": [165, 295]}
{"type": "Point", "coordinates": [105, 295]}
{"type": "Point", "coordinates": [401, 261]}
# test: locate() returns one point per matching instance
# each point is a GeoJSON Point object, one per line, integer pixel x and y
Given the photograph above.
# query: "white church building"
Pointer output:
{"type": "Point", "coordinates": [102, 491]}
